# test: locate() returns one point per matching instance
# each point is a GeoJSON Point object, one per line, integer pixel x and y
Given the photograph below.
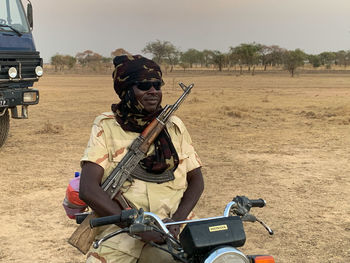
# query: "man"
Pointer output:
{"type": "Point", "coordinates": [168, 182]}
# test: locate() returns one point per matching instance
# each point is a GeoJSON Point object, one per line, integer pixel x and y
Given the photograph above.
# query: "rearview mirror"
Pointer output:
{"type": "Point", "coordinates": [30, 14]}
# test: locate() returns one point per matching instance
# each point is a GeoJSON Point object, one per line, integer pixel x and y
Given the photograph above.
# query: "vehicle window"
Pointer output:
{"type": "Point", "coordinates": [12, 14]}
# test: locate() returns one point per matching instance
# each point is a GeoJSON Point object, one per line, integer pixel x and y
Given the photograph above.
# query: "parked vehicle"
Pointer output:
{"type": "Point", "coordinates": [20, 63]}
{"type": "Point", "coordinates": [207, 240]}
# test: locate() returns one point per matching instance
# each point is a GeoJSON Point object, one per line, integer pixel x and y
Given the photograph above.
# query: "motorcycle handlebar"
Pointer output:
{"type": "Point", "coordinates": [257, 202]}
{"type": "Point", "coordinates": [126, 218]}
{"type": "Point", "coordinates": [137, 221]}
{"type": "Point", "coordinates": [106, 220]}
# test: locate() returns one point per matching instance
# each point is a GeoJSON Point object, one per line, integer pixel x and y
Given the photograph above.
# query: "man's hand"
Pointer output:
{"type": "Point", "coordinates": [158, 237]}
{"type": "Point", "coordinates": [152, 236]}
{"type": "Point", "coordinates": [173, 229]}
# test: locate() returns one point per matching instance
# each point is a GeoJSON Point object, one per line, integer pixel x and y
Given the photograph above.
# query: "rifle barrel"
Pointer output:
{"type": "Point", "coordinates": [176, 105]}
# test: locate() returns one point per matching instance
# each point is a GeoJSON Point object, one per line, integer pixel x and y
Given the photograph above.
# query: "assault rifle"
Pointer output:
{"type": "Point", "coordinates": [83, 236]}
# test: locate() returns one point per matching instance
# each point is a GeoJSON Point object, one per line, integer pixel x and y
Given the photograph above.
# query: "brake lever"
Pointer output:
{"type": "Point", "coordinates": [97, 243]}
{"type": "Point", "coordinates": [265, 226]}
{"type": "Point", "coordinates": [252, 218]}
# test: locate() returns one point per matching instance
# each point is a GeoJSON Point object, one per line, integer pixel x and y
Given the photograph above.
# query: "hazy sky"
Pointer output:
{"type": "Point", "coordinates": [71, 26]}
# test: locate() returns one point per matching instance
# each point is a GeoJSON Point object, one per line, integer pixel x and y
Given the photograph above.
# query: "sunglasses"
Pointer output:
{"type": "Point", "coordinates": [144, 86]}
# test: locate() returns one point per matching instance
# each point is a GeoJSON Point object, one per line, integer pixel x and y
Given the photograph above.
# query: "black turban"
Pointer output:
{"type": "Point", "coordinates": [130, 113]}
{"type": "Point", "coordinates": [130, 69]}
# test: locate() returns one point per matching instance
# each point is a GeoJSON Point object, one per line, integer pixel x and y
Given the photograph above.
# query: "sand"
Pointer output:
{"type": "Point", "coordinates": [282, 139]}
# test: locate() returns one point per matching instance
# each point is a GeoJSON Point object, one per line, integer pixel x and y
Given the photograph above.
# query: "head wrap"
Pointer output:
{"type": "Point", "coordinates": [130, 69]}
{"type": "Point", "coordinates": [130, 113]}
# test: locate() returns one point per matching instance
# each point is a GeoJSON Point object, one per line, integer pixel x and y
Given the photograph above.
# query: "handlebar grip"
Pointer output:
{"type": "Point", "coordinates": [257, 202]}
{"type": "Point", "coordinates": [106, 220]}
{"type": "Point", "coordinates": [126, 217]}
{"type": "Point", "coordinates": [79, 218]}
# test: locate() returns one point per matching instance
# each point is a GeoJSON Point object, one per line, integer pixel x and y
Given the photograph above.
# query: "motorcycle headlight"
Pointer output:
{"type": "Point", "coordinates": [227, 255]}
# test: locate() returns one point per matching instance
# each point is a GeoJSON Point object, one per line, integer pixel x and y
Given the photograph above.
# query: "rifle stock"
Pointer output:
{"type": "Point", "coordinates": [84, 235]}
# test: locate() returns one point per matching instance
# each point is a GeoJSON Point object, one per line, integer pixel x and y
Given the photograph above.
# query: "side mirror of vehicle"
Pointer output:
{"type": "Point", "coordinates": [30, 14]}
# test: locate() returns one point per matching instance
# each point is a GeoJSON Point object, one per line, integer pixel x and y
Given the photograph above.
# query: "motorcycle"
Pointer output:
{"type": "Point", "coordinates": [205, 240]}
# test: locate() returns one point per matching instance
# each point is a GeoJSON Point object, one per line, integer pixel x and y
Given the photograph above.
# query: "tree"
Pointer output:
{"type": "Point", "coordinates": [106, 60]}
{"type": "Point", "coordinates": [327, 58]}
{"type": "Point", "coordinates": [206, 57]}
{"type": "Point", "coordinates": [265, 55]}
{"type": "Point", "coordinates": [83, 57]}
{"type": "Point", "coordinates": [60, 61]}
{"type": "Point", "coordinates": [69, 61]}
{"type": "Point", "coordinates": [271, 55]}
{"type": "Point", "coordinates": [90, 59]}
{"type": "Point", "coordinates": [277, 55]}
{"type": "Point", "coordinates": [247, 54]}
{"type": "Point", "coordinates": [95, 61]}
{"type": "Point", "coordinates": [191, 56]}
{"type": "Point", "coordinates": [161, 51]}
{"type": "Point", "coordinates": [172, 55]}
{"type": "Point", "coordinates": [119, 52]}
{"type": "Point", "coordinates": [342, 58]}
{"type": "Point", "coordinates": [293, 60]}
{"type": "Point", "coordinates": [232, 59]}
{"type": "Point", "coordinates": [314, 60]}
{"type": "Point", "coordinates": [218, 59]}
{"type": "Point", "coordinates": [57, 62]}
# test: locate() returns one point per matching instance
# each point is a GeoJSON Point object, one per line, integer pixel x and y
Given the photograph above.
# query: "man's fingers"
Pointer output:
{"type": "Point", "coordinates": [152, 236]}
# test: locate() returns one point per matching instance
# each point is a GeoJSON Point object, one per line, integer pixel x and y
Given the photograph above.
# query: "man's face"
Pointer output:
{"type": "Point", "coordinates": [150, 98]}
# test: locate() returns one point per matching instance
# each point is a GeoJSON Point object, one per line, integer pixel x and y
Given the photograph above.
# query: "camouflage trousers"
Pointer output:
{"type": "Point", "coordinates": [149, 254]}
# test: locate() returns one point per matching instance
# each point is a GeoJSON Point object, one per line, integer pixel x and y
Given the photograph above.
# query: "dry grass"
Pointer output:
{"type": "Point", "coordinates": [49, 128]}
{"type": "Point", "coordinates": [280, 138]}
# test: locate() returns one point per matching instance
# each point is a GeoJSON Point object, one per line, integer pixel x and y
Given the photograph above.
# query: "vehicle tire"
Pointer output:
{"type": "Point", "coordinates": [4, 127]}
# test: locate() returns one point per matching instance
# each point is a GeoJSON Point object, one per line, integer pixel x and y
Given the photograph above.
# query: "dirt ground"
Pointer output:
{"type": "Point", "coordinates": [283, 139]}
